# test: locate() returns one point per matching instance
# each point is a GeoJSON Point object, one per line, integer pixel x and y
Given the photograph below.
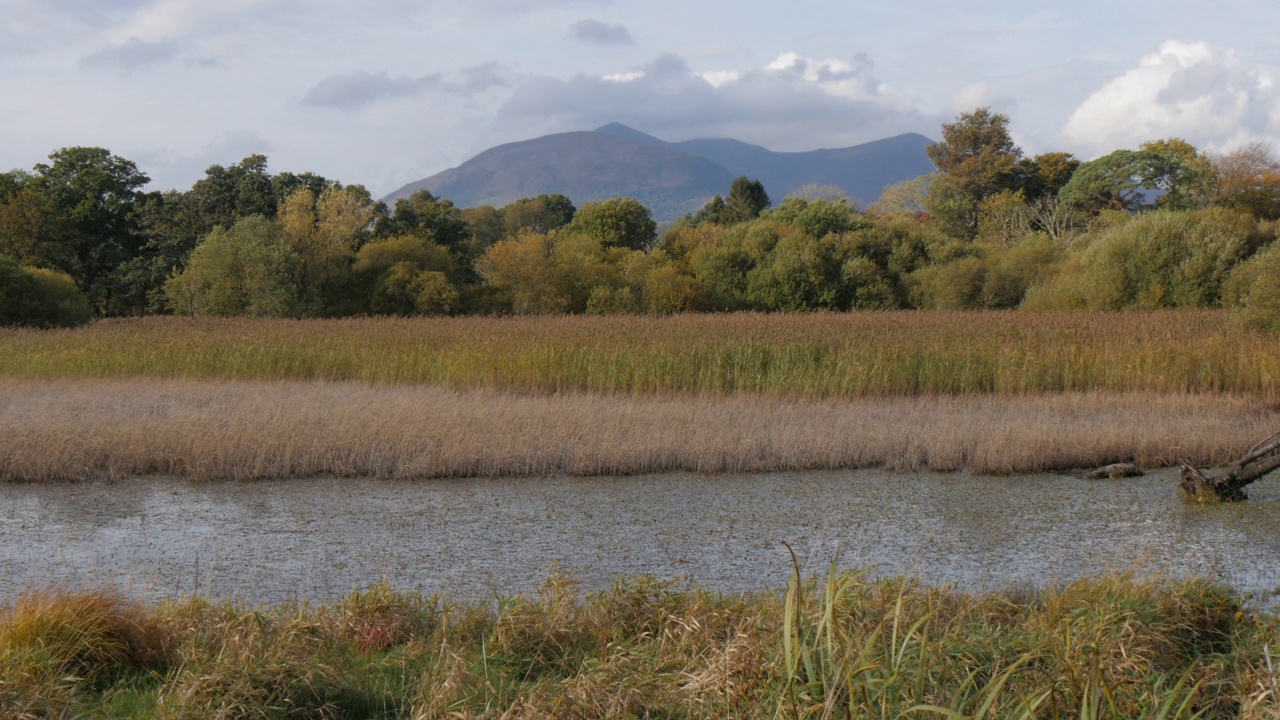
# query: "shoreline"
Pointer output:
{"type": "Point", "coordinates": [75, 430]}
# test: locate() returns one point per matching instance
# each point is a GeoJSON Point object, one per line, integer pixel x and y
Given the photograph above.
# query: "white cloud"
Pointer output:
{"type": "Point", "coordinates": [833, 75]}
{"type": "Point", "coordinates": [1202, 93]}
{"type": "Point", "coordinates": [718, 78]}
{"type": "Point", "coordinates": [625, 77]}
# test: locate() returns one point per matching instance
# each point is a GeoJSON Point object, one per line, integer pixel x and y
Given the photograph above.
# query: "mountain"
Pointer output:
{"type": "Point", "coordinates": [670, 178]}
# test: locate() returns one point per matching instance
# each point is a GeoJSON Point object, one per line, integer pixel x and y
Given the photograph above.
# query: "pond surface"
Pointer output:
{"type": "Point", "coordinates": [320, 539]}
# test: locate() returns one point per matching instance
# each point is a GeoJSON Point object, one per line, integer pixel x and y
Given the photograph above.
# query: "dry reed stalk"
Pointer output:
{"type": "Point", "coordinates": [245, 430]}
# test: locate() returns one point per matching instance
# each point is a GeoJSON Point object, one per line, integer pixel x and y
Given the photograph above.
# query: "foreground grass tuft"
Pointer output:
{"type": "Point", "coordinates": [847, 647]}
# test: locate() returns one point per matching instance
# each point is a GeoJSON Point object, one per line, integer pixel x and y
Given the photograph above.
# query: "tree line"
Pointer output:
{"type": "Point", "coordinates": [1165, 225]}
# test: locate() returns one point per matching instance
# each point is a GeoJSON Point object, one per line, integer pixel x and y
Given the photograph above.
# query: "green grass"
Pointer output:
{"type": "Point", "coordinates": [848, 647]}
{"type": "Point", "coordinates": [814, 355]}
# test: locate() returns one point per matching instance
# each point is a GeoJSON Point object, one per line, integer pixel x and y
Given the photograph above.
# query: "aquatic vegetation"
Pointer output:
{"type": "Point", "coordinates": [794, 355]}
{"type": "Point", "coordinates": [61, 430]}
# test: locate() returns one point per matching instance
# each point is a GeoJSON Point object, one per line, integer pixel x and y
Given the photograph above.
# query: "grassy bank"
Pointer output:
{"type": "Point", "coordinates": [849, 647]}
{"type": "Point", "coordinates": [242, 430]}
{"type": "Point", "coordinates": [815, 355]}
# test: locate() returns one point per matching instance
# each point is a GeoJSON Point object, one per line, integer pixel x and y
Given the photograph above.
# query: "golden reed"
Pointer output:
{"type": "Point", "coordinates": [809, 355]}
{"type": "Point", "coordinates": [53, 430]}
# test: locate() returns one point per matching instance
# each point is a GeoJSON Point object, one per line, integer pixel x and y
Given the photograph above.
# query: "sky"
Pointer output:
{"type": "Point", "coordinates": [385, 92]}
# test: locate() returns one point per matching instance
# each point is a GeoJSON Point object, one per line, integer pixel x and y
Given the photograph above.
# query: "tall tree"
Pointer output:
{"type": "Point", "coordinates": [323, 234]}
{"type": "Point", "coordinates": [94, 193]}
{"type": "Point", "coordinates": [976, 159]}
{"type": "Point", "coordinates": [747, 199]}
{"type": "Point", "coordinates": [1181, 174]}
{"type": "Point", "coordinates": [226, 194]}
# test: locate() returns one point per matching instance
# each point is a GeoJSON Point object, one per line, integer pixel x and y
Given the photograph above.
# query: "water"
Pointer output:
{"type": "Point", "coordinates": [469, 539]}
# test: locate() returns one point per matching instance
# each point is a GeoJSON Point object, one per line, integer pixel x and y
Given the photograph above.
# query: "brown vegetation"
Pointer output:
{"type": "Point", "coordinates": [78, 429]}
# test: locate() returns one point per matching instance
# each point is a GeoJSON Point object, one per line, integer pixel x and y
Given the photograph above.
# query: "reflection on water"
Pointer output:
{"type": "Point", "coordinates": [320, 539]}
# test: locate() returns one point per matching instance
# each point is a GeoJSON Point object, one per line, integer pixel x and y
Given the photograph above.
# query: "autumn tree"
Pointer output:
{"type": "Point", "coordinates": [323, 233]}
{"type": "Point", "coordinates": [540, 214]}
{"type": "Point", "coordinates": [406, 275]}
{"type": "Point", "coordinates": [976, 159]}
{"type": "Point", "coordinates": [906, 199]}
{"type": "Point", "coordinates": [1249, 179]}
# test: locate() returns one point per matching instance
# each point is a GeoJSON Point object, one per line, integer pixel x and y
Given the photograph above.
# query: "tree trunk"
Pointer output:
{"type": "Point", "coordinates": [1228, 486]}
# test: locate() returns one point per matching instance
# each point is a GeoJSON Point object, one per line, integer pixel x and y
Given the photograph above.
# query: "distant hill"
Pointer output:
{"type": "Point", "coordinates": [670, 178]}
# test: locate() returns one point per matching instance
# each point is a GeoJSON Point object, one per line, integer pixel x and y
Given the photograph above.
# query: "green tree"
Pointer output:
{"type": "Point", "coordinates": [34, 233]}
{"type": "Point", "coordinates": [620, 222]}
{"type": "Point", "coordinates": [1119, 181]}
{"type": "Point", "coordinates": [427, 216]}
{"type": "Point", "coordinates": [11, 183]}
{"type": "Point", "coordinates": [226, 194]}
{"type": "Point", "coordinates": [92, 194]}
{"type": "Point", "coordinates": [287, 183]}
{"type": "Point", "coordinates": [248, 269]}
{"type": "Point", "coordinates": [1169, 174]}
{"type": "Point", "coordinates": [746, 200]}
{"type": "Point", "coordinates": [817, 218]}
{"type": "Point", "coordinates": [1253, 291]}
{"type": "Point", "coordinates": [1183, 176]}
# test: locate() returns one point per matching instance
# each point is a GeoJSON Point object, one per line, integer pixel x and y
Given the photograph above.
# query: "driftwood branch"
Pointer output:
{"type": "Point", "coordinates": [1228, 486]}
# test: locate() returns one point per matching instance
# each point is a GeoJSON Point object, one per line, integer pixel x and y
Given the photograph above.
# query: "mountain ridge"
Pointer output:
{"type": "Point", "coordinates": [671, 178]}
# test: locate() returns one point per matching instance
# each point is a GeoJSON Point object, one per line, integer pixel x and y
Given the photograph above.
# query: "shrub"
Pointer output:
{"type": "Point", "coordinates": [1253, 291]}
{"type": "Point", "coordinates": [1157, 259]}
{"type": "Point", "coordinates": [36, 297]}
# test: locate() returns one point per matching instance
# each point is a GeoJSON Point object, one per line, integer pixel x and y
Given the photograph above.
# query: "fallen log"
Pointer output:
{"type": "Point", "coordinates": [1228, 485]}
{"type": "Point", "coordinates": [1113, 472]}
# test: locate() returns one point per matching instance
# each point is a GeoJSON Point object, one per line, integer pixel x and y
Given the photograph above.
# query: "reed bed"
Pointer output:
{"type": "Point", "coordinates": [810, 355]}
{"type": "Point", "coordinates": [850, 647]}
{"type": "Point", "coordinates": [57, 430]}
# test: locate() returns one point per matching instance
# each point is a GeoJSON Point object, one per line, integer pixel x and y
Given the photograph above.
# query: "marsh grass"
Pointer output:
{"type": "Point", "coordinates": [848, 647]}
{"type": "Point", "coordinates": [244, 430]}
{"type": "Point", "coordinates": [808, 355]}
